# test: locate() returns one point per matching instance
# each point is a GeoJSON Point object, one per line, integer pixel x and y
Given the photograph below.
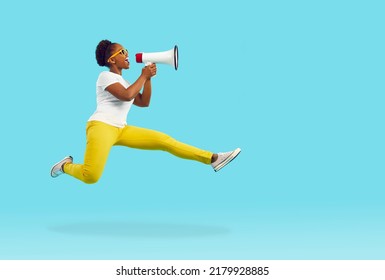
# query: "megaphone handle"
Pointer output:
{"type": "Point", "coordinates": [148, 63]}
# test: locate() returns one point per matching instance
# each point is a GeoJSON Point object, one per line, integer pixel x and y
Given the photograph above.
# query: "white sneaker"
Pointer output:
{"type": "Point", "coordinates": [225, 158]}
{"type": "Point", "coordinates": [57, 169]}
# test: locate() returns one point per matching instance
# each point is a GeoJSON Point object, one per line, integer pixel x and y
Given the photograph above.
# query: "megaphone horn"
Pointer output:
{"type": "Point", "coordinates": [168, 57]}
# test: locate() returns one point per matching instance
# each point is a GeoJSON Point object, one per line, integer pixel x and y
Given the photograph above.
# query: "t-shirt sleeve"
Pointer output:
{"type": "Point", "coordinates": [105, 79]}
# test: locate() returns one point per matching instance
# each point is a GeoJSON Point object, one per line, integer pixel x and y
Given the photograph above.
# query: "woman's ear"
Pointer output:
{"type": "Point", "coordinates": [111, 61]}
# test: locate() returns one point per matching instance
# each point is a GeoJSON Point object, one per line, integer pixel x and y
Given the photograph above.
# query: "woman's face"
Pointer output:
{"type": "Point", "coordinates": [119, 57]}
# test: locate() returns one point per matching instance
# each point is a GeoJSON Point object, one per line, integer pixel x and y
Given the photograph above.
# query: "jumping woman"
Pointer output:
{"type": "Point", "coordinates": [107, 126]}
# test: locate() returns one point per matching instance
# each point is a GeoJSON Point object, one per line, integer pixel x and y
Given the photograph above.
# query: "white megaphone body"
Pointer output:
{"type": "Point", "coordinates": [168, 57]}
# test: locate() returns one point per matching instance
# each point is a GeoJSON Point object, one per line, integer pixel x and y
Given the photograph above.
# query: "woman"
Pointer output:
{"type": "Point", "coordinates": [107, 127]}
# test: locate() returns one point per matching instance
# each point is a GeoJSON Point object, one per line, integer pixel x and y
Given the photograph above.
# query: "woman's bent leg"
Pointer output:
{"type": "Point", "coordinates": [100, 138]}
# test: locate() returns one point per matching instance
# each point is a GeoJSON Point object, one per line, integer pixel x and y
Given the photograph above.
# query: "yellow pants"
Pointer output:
{"type": "Point", "coordinates": [101, 137]}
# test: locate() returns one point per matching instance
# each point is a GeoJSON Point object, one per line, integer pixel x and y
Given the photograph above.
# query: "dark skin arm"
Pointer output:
{"type": "Point", "coordinates": [143, 99]}
{"type": "Point", "coordinates": [133, 91]}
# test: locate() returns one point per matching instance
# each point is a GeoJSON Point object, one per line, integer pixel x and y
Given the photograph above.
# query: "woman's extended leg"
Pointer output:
{"type": "Point", "coordinates": [147, 139]}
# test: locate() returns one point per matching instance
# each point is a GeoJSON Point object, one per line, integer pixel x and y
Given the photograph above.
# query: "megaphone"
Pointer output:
{"type": "Point", "coordinates": [168, 57]}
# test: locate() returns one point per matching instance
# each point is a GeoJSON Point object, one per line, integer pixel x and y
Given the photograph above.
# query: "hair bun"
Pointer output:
{"type": "Point", "coordinates": [101, 50]}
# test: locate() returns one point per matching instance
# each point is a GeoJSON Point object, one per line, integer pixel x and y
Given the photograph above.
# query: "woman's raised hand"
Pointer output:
{"type": "Point", "coordinates": [149, 71]}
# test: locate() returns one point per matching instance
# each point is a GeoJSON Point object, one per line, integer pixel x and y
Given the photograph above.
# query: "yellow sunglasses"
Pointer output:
{"type": "Point", "coordinates": [122, 51]}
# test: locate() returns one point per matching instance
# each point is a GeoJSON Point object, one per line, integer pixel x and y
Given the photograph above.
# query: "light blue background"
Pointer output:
{"type": "Point", "coordinates": [298, 85]}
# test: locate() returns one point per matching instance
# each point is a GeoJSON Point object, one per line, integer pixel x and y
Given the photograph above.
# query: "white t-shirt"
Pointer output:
{"type": "Point", "coordinates": [110, 109]}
